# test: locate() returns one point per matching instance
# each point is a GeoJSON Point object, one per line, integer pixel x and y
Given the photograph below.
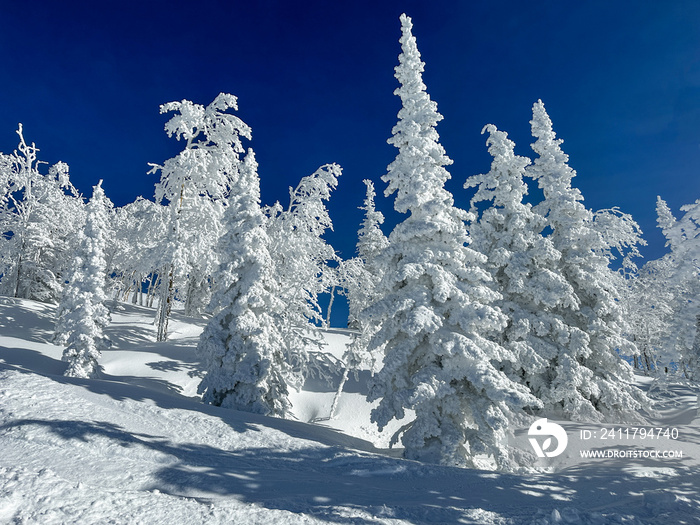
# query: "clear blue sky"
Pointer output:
{"type": "Point", "coordinates": [620, 79]}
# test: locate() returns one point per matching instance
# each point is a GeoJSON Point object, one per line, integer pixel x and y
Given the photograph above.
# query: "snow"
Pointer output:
{"type": "Point", "coordinates": [137, 446]}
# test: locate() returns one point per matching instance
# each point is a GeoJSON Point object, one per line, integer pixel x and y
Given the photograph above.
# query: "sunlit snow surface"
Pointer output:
{"type": "Point", "coordinates": [136, 446]}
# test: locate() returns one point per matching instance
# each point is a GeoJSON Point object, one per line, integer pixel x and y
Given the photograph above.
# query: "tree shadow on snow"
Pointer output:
{"type": "Point", "coordinates": [31, 361]}
{"type": "Point", "coordinates": [329, 481]}
{"type": "Point", "coordinates": [27, 320]}
{"type": "Point", "coordinates": [119, 387]}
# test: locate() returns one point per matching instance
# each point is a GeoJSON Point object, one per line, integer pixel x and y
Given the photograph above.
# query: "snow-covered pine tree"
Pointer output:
{"type": "Point", "coordinates": [371, 241]}
{"type": "Point", "coordinates": [587, 379]}
{"type": "Point", "coordinates": [195, 184]}
{"type": "Point", "coordinates": [360, 276]}
{"type": "Point", "coordinates": [522, 262]}
{"type": "Point", "coordinates": [433, 304]}
{"type": "Point", "coordinates": [82, 315]}
{"type": "Point", "coordinates": [242, 346]}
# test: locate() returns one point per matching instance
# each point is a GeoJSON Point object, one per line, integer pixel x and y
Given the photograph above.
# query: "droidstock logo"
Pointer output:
{"type": "Point", "coordinates": [542, 427]}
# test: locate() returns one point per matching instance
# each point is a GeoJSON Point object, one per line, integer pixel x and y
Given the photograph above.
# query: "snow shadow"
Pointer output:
{"type": "Point", "coordinates": [30, 321]}
{"type": "Point", "coordinates": [133, 326]}
{"type": "Point", "coordinates": [129, 336]}
{"type": "Point", "coordinates": [353, 384]}
{"type": "Point", "coordinates": [119, 387]}
{"type": "Point", "coordinates": [326, 481]}
{"type": "Point", "coordinates": [31, 361]}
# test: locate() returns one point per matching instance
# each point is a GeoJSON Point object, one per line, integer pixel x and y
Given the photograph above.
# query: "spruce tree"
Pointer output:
{"type": "Point", "coordinates": [361, 276]}
{"type": "Point", "coordinates": [587, 380]}
{"type": "Point", "coordinates": [242, 346]}
{"type": "Point", "coordinates": [522, 262]}
{"type": "Point", "coordinates": [433, 304]}
{"type": "Point", "coordinates": [82, 314]}
{"type": "Point", "coordinates": [366, 271]}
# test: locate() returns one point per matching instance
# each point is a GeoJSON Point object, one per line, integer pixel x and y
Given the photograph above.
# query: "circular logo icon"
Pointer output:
{"type": "Point", "coordinates": [546, 430]}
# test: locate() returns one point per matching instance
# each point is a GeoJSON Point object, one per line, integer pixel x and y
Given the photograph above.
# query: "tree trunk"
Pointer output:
{"type": "Point", "coordinates": [152, 285]}
{"type": "Point", "coordinates": [18, 274]}
{"type": "Point", "coordinates": [336, 398]}
{"type": "Point", "coordinates": [330, 307]}
{"type": "Point", "coordinates": [165, 307]}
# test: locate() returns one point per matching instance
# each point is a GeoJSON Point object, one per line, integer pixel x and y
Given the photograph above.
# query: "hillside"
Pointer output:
{"type": "Point", "coordinates": [137, 446]}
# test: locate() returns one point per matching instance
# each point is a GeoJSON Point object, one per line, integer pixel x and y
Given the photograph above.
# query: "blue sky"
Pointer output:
{"type": "Point", "coordinates": [620, 80]}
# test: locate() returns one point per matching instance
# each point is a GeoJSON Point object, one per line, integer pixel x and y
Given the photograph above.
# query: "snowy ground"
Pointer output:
{"type": "Point", "coordinates": [137, 446]}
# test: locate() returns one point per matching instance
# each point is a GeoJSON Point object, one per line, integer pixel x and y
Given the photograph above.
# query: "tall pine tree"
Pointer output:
{"type": "Point", "coordinates": [242, 346]}
{"type": "Point", "coordinates": [434, 305]}
{"type": "Point", "coordinates": [586, 380]}
{"type": "Point", "coordinates": [82, 314]}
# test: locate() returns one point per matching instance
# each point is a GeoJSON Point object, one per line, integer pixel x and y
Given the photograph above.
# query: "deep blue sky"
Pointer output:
{"type": "Point", "coordinates": [620, 79]}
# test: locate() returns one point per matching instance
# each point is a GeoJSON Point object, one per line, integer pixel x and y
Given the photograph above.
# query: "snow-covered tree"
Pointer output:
{"type": "Point", "coordinates": [133, 255]}
{"type": "Point", "coordinates": [361, 274]}
{"type": "Point", "coordinates": [522, 262]}
{"type": "Point", "coordinates": [82, 315]}
{"type": "Point", "coordinates": [242, 346]}
{"type": "Point", "coordinates": [682, 276]}
{"type": "Point", "coordinates": [621, 236]}
{"type": "Point", "coordinates": [301, 259]}
{"type": "Point", "coordinates": [586, 379]}
{"type": "Point", "coordinates": [433, 304]}
{"type": "Point", "coordinates": [650, 302]}
{"type": "Point", "coordinates": [371, 241]}
{"type": "Point", "coordinates": [194, 185]}
{"type": "Point", "coordinates": [39, 216]}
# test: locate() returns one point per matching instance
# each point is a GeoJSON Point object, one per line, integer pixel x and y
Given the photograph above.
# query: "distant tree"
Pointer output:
{"type": "Point", "coordinates": [433, 305]}
{"type": "Point", "coordinates": [39, 216]}
{"type": "Point", "coordinates": [650, 304]}
{"type": "Point", "coordinates": [82, 315]}
{"type": "Point", "coordinates": [194, 185]}
{"type": "Point", "coordinates": [360, 277]}
{"type": "Point", "coordinates": [242, 346]}
{"type": "Point", "coordinates": [133, 256]}
{"type": "Point", "coordinates": [371, 242]}
{"type": "Point", "coordinates": [586, 379]}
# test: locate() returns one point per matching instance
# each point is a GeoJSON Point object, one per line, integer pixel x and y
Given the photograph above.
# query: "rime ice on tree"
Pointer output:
{"type": "Point", "coordinates": [82, 314]}
{"type": "Point", "coordinates": [433, 305]}
{"type": "Point", "coordinates": [675, 293]}
{"type": "Point", "coordinates": [194, 185]}
{"type": "Point", "coordinates": [39, 216]}
{"type": "Point", "coordinates": [300, 258]}
{"type": "Point", "coordinates": [523, 263]}
{"type": "Point", "coordinates": [586, 378]}
{"type": "Point", "coordinates": [242, 347]}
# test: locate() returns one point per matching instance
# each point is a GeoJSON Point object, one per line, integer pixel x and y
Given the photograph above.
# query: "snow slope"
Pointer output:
{"type": "Point", "coordinates": [137, 446]}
